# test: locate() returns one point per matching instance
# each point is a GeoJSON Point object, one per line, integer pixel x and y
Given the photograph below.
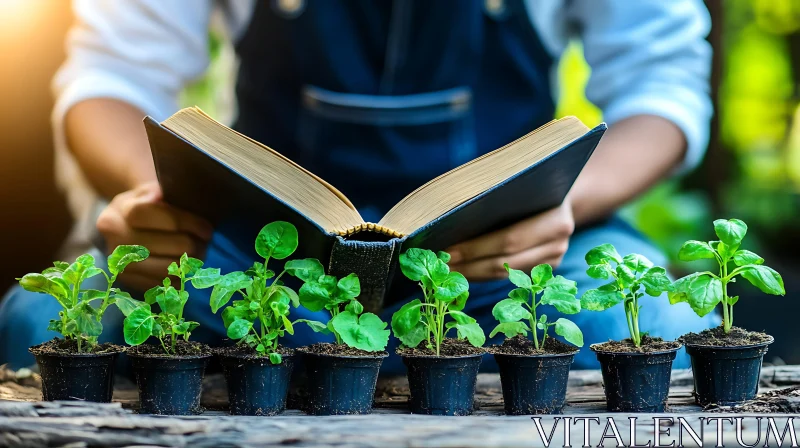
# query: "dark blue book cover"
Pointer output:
{"type": "Point", "coordinates": [194, 180]}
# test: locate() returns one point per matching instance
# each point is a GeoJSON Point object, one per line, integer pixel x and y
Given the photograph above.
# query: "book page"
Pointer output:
{"type": "Point", "coordinates": [272, 171]}
{"type": "Point", "coordinates": [463, 183]}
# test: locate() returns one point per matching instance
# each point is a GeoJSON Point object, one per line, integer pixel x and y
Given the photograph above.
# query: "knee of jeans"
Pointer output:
{"type": "Point", "coordinates": [24, 309]}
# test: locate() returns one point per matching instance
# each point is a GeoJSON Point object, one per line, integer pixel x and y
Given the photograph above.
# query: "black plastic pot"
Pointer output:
{"type": "Point", "coordinates": [340, 385]}
{"type": "Point", "coordinates": [636, 382]}
{"type": "Point", "coordinates": [726, 375]}
{"type": "Point", "coordinates": [86, 377]}
{"type": "Point", "coordinates": [255, 385]}
{"type": "Point", "coordinates": [442, 386]}
{"type": "Point", "coordinates": [534, 384]}
{"type": "Point", "coordinates": [169, 385]}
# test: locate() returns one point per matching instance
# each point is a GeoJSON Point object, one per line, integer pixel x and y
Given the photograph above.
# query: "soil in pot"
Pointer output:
{"type": "Point", "coordinates": [255, 385]}
{"type": "Point", "coordinates": [340, 379]}
{"type": "Point", "coordinates": [726, 367]}
{"type": "Point", "coordinates": [534, 381]}
{"type": "Point", "coordinates": [445, 384]}
{"type": "Point", "coordinates": [70, 375]}
{"type": "Point", "coordinates": [170, 384]}
{"type": "Point", "coordinates": [636, 379]}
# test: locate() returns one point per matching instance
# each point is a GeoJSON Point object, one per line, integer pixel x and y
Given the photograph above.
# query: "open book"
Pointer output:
{"type": "Point", "coordinates": [241, 184]}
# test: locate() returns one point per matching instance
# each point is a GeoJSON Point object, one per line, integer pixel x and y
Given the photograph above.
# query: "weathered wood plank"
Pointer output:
{"type": "Point", "coordinates": [28, 423]}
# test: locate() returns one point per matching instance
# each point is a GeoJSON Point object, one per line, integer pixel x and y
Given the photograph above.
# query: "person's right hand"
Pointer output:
{"type": "Point", "coordinates": [140, 216]}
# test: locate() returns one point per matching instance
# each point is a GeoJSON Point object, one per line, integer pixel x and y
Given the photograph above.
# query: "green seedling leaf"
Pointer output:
{"type": "Point", "coordinates": [138, 326]}
{"type": "Point", "coordinates": [277, 240]}
{"type": "Point", "coordinates": [601, 254]}
{"type": "Point", "coordinates": [509, 310]}
{"type": "Point", "coordinates": [472, 332]}
{"type": "Point", "coordinates": [173, 269]}
{"type": "Point", "coordinates": [307, 270]}
{"type": "Point", "coordinates": [414, 337]}
{"type": "Point", "coordinates": [169, 301]}
{"type": "Point", "coordinates": [349, 287]}
{"type": "Point", "coordinates": [695, 250]}
{"type": "Point", "coordinates": [510, 329]}
{"type": "Point", "coordinates": [443, 256]}
{"type": "Point", "coordinates": [563, 300]}
{"type": "Point", "coordinates": [655, 281]}
{"type": "Point", "coordinates": [126, 303]}
{"type": "Point", "coordinates": [46, 285]}
{"type": "Point", "coordinates": [519, 278]}
{"type": "Point", "coordinates": [417, 264]}
{"type": "Point", "coordinates": [600, 300]}
{"type": "Point", "coordinates": [454, 285]}
{"type": "Point", "coordinates": [598, 271]}
{"type": "Point", "coordinates": [764, 278]}
{"type": "Point", "coordinates": [189, 266]}
{"type": "Point", "coordinates": [122, 256]}
{"type": "Point", "coordinates": [366, 332]}
{"type": "Point", "coordinates": [637, 263]}
{"type": "Point", "coordinates": [355, 307]}
{"type": "Point", "coordinates": [239, 329]}
{"type": "Point", "coordinates": [318, 327]}
{"type": "Point", "coordinates": [274, 358]}
{"type": "Point", "coordinates": [701, 291]}
{"type": "Point", "coordinates": [226, 286]}
{"type": "Point", "coordinates": [206, 278]}
{"type": "Point", "coordinates": [314, 296]}
{"type": "Point", "coordinates": [569, 331]}
{"type": "Point", "coordinates": [406, 318]}
{"type": "Point", "coordinates": [744, 257]}
{"type": "Point", "coordinates": [541, 275]}
{"type": "Point", "coordinates": [730, 231]}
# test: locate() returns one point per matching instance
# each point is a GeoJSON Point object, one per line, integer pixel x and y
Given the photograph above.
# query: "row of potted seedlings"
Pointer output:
{"type": "Point", "coordinates": [442, 370]}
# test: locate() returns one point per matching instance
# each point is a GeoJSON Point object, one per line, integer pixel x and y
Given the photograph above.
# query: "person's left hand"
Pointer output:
{"type": "Point", "coordinates": [543, 238]}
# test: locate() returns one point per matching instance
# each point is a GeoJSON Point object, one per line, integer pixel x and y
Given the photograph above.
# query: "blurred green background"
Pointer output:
{"type": "Point", "coordinates": [751, 170]}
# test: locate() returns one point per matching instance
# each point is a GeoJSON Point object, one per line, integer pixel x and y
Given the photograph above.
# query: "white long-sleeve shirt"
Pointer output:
{"type": "Point", "coordinates": [646, 57]}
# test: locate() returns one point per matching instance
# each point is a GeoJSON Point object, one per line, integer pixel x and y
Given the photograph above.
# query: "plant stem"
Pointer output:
{"type": "Point", "coordinates": [727, 315]}
{"type": "Point", "coordinates": [440, 313]}
{"type": "Point", "coordinates": [533, 322]}
{"type": "Point", "coordinates": [79, 343]}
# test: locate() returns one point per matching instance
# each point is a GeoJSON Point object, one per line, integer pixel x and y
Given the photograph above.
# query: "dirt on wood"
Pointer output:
{"type": "Point", "coordinates": [182, 348]}
{"type": "Point", "coordinates": [325, 348]}
{"type": "Point", "coordinates": [520, 345]}
{"type": "Point", "coordinates": [58, 346]}
{"type": "Point", "coordinates": [716, 337]}
{"type": "Point", "coordinates": [649, 345]}
{"type": "Point", "coordinates": [782, 401]}
{"type": "Point", "coordinates": [450, 348]}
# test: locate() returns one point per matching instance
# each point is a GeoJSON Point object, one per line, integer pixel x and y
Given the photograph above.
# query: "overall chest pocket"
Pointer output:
{"type": "Point", "coordinates": [407, 139]}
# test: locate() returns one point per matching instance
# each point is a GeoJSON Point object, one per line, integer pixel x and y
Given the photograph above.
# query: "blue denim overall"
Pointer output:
{"type": "Point", "coordinates": [377, 98]}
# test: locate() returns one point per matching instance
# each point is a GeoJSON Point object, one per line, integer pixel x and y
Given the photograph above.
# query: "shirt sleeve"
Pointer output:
{"type": "Point", "coordinates": [138, 51]}
{"type": "Point", "coordinates": [649, 57]}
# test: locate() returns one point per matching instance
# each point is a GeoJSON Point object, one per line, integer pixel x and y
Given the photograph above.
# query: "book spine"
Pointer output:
{"type": "Point", "coordinates": [372, 261]}
{"type": "Point", "coordinates": [371, 227]}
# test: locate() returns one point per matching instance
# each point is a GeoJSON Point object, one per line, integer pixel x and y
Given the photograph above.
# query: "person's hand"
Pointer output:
{"type": "Point", "coordinates": [139, 216]}
{"type": "Point", "coordinates": [543, 238]}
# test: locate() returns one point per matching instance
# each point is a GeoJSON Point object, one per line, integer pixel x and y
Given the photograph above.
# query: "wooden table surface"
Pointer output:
{"type": "Point", "coordinates": [25, 421]}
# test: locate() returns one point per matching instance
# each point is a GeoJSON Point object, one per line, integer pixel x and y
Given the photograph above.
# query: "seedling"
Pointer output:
{"type": "Point", "coordinates": [445, 294]}
{"type": "Point", "coordinates": [350, 326]}
{"type": "Point", "coordinates": [261, 317]}
{"type": "Point", "coordinates": [629, 276]}
{"type": "Point", "coordinates": [80, 320]}
{"type": "Point", "coordinates": [704, 290]}
{"type": "Point", "coordinates": [141, 322]}
{"type": "Point", "coordinates": [522, 302]}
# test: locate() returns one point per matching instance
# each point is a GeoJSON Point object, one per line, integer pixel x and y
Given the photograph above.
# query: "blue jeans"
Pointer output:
{"type": "Point", "coordinates": [24, 316]}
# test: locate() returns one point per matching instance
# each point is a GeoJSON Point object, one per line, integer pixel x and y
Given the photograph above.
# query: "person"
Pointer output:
{"type": "Point", "coordinates": [377, 98]}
